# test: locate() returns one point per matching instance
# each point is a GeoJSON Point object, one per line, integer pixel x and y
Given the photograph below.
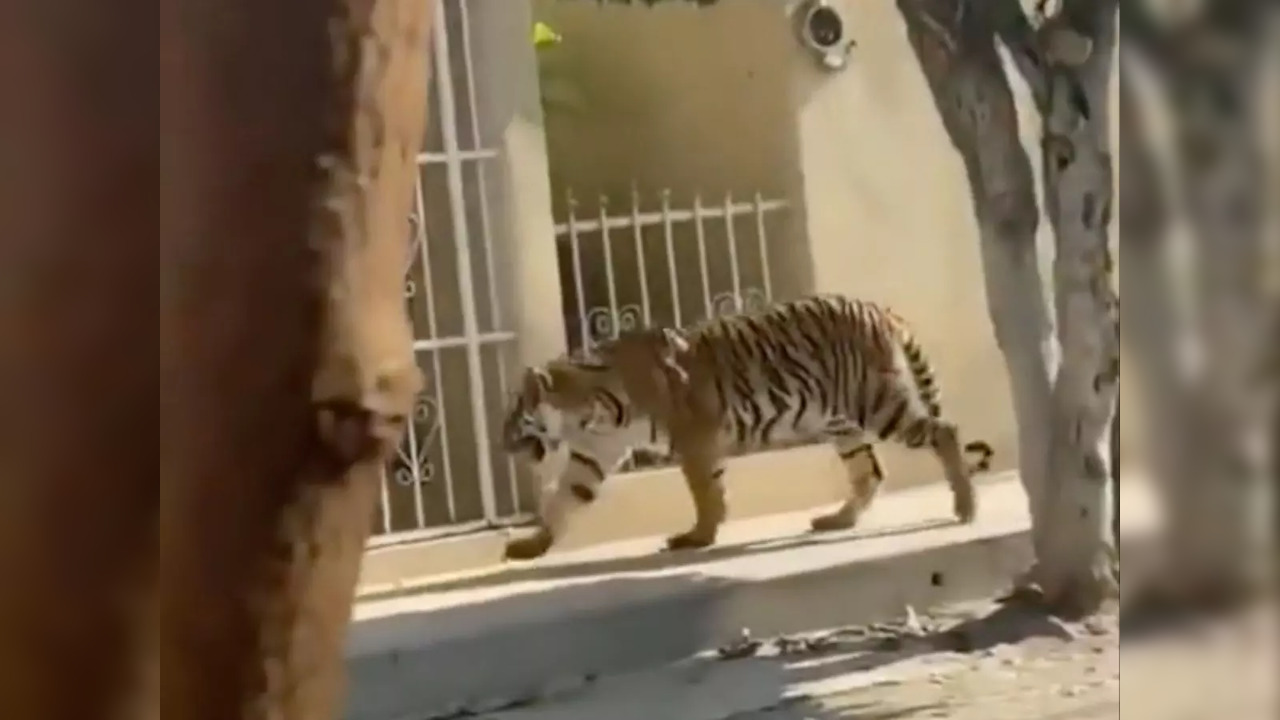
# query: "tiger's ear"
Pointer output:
{"type": "Point", "coordinates": [535, 384]}
{"type": "Point", "coordinates": [672, 351]}
{"type": "Point", "coordinates": [650, 364]}
{"type": "Point", "coordinates": [662, 349]}
{"type": "Point", "coordinates": [563, 385]}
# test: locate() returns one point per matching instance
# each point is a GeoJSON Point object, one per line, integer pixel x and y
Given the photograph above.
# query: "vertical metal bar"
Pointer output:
{"type": "Point", "coordinates": [505, 362]}
{"type": "Point", "coordinates": [614, 316]}
{"type": "Point", "coordinates": [495, 311]}
{"type": "Point", "coordinates": [429, 290]}
{"type": "Point", "coordinates": [466, 285]}
{"type": "Point", "coordinates": [732, 239]}
{"type": "Point", "coordinates": [384, 497]}
{"type": "Point", "coordinates": [668, 235]}
{"type": "Point", "coordinates": [637, 233]}
{"type": "Point", "coordinates": [495, 308]}
{"type": "Point", "coordinates": [575, 251]}
{"type": "Point", "coordinates": [762, 239]}
{"type": "Point", "coordinates": [415, 470]}
{"type": "Point", "coordinates": [702, 255]}
{"type": "Point", "coordinates": [411, 433]}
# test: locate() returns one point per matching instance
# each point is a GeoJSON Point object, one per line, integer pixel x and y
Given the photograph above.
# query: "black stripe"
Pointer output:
{"type": "Point", "coordinates": [891, 423]}
{"type": "Point", "coordinates": [619, 409]}
{"type": "Point", "coordinates": [588, 462]}
{"type": "Point", "coordinates": [780, 408]}
{"type": "Point", "coordinates": [869, 408]}
{"type": "Point", "coordinates": [851, 454]}
{"type": "Point", "coordinates": [584, 493]}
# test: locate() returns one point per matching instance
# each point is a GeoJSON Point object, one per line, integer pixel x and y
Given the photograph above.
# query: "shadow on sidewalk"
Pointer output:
{"type": "Point", "coordinates": [867, 650]}
{"type": "Point", "coordinates": [541, 571]}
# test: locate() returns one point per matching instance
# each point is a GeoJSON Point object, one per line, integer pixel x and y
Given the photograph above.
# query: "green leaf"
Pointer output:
{"type": "Point", "coordinates": [544, 35]}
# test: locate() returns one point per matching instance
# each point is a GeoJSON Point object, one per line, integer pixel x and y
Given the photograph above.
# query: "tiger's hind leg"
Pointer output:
{"type": "Point", "coordinates": [864, 474]}
{"type": "Point", "coordinates": [704, 475]}
{"type": "Point", "coordinates": [901, 418]}
{"type": "Point", "coordinates": [944, 439]}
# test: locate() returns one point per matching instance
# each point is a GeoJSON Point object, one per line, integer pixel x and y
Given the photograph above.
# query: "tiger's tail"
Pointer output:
{"type": "Point", "coordinates": [978, 453]}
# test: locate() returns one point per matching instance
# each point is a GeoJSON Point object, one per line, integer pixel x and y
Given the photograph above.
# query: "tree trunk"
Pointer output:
{"type": "Point", "coordinates": [1078, 44]}
{"type": "Point", "coordinates": [288, 371]}
{"type": "Point", "coordinates": [78, 282]}
{"type": "Point", "coordinates": [1063, 432]}
{"type": "Point", "coordinates": [1211, 65]}
{"type": "Point", "coordinates": [1152, 334]}
{"type": "Point", "coordinates": [957, 54]}
{"type": "Point", "coordinates": [1115, 476]}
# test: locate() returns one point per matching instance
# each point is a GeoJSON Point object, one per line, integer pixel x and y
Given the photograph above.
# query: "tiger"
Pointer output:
{"type": "Point", "coordinates": [822, 367]}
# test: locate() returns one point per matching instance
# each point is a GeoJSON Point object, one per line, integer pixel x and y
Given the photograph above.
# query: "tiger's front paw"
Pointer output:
{"type": "Point", "coordinates": [534, 546]}
{"type": "Point", "coordinates": [692, 540]}
{"type": "Point", "coordinates": [841, 519]}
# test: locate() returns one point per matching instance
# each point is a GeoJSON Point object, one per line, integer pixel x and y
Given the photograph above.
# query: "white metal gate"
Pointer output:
{"type": "Point", "coordinates": [448, 477]}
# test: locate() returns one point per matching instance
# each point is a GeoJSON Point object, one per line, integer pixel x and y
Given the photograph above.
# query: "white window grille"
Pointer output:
{"type": "Point", "coordinates": [448, 476]}
{"type": "Point", "coordinates": [683, 263]}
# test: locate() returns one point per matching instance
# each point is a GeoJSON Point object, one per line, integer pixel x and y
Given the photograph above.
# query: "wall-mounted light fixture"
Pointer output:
{"type": "Point", "coordinates": [822, 32]}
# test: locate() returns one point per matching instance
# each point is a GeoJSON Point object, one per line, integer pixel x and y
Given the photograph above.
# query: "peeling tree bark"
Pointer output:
{"type": "Point", "coordinates": [1078, 44]}
{"type": "Point", "coordinates": [1064, 426]}
{"type": "Point", "coordinates": [292, 130]}
{"type": "Point", "coordinates": [1210, 66]}
{"type": "Point", "coordinates": [1115, 476]}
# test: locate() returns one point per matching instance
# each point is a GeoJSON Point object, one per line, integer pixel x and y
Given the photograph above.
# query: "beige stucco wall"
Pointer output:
{"type": "Point", "coordinates": [889, 216]}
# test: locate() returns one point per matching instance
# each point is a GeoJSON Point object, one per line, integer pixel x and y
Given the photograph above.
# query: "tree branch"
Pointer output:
{"type": "Point", "coordinates": [1015, 31]}
{"type": "Point", "coordinates": [942, 19]}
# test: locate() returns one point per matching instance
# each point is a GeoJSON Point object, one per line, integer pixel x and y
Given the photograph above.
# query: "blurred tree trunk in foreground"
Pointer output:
{"type": "Point", "coordinates": [1209, 66]}
{"type": "Point", "coordinates": [291, 131]}
{"type": "Point", "coordinates": [78, 282]}
{"type": "Point", "coordinates": [288, 372]}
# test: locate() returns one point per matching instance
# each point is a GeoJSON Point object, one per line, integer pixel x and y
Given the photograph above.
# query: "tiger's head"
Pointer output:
{"type": "Point", "coordinates": [551, 402]}
{"type": "Point", "coordinates": [589, 405]}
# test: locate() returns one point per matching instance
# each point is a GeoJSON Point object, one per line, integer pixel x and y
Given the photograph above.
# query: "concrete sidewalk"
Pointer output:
{"type": "Point", "coordinates": [520, 631]}
{"type": "Point", "coordinates": [1013, 665]}
{"type": "Point", "coordinates": [971, 662]}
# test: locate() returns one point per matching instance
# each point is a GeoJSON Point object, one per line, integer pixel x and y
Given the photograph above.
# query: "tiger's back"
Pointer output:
{"type": "Point", "coordinates": [805, 369]}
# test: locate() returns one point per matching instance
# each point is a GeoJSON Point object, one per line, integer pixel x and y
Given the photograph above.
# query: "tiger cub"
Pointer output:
{"type": "Point", "coordinates": [821, 367]}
